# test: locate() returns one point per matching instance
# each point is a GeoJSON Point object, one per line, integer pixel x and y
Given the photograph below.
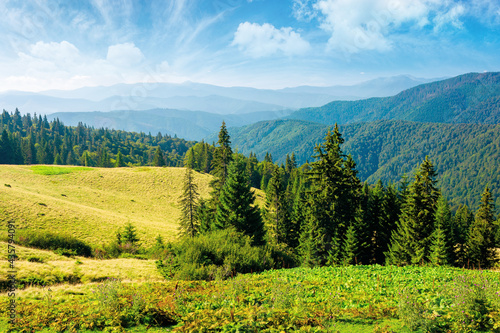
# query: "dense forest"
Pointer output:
{"type": "Point", "coordinates": [319, 213]}
{"type": "Point", "coordinates": [322, 214]}
{"type": "Point", "coordinates": [470, 98]}
{"type": "Point", "coordinates": [465, 155]}
{"type": "Point", "coordinates": [35, 140]}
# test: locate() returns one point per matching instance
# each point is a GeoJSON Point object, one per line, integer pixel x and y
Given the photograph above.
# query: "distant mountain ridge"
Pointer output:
{"type": "Point", "coordinates": [190, 125]}
{"type": "Point", "coordinates": [197, 97]}
{"type": "Point", "coordinates": [468, 98]}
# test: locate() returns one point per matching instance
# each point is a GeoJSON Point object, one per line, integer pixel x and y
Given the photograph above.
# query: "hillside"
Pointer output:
{"type": "Point", "coordinates": [466, 155]}
{"type": "Point", "coordinates": [92, 203]}
{"type": "Point", "coordinates": [469, 98]}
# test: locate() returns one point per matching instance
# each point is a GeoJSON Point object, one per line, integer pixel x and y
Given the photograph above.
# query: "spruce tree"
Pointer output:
{"type": "Point", "coordinates": [205, 216]}
{"type": "Point", "coordinates": [222, 157]}
{"type": "Point", "coordinates": [189, 206]}
{"type": "Point", "coordinates": [236, 204]}
{"type": "Point", "coordinates": [351, 248]}
{"type": "Point", "coordinates": [481, 242]}
{"type": "Point", "coordinates": [159, 160]}
{"type": "Point", "coordinates": [277, 211]}
{"type": "Point", "coordinates": [129, 235]}
{"type": "Point", "coordinates": [439, 250]}
{"type": "Point", "coordinates": [462, 222]}
{"type": "Point", "coordinates": [443, 225]}
{"type": "Point", "coordinates": [119, 160]}
{"type": "Point", "coordinates": [410, 242]}
{"type": "Point", "coordinates": [332, 200]}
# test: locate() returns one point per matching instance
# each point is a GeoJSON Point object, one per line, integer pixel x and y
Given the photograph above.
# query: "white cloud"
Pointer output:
{"type": "Point", "coordinates": [264, 40]}
{"type": "Point", "coordinates": [126, 54]}
{"type": "Point", "coordinates": [303, 10]}
{"type": "Point", "coordinates": [62, 66]}
{"type": "Point", "coordinates": [358, 25]}
{"type": "Point", "coordinates": [451, 17]}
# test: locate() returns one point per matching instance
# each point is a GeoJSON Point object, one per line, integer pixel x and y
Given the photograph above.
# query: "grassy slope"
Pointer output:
{"type": "Point", "coordinates": [92, 205]}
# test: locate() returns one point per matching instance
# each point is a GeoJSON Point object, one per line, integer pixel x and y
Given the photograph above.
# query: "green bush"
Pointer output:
{"type": "Point", "coordinates": [35, 259]}
{"type": "Point", "coordinates": [219, 255]}
{"type": "Point", "coordinates": [65, 244]}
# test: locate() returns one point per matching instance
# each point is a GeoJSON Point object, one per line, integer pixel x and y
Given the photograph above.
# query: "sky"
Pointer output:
{"type": "Point", "coordinates": [67, 44]}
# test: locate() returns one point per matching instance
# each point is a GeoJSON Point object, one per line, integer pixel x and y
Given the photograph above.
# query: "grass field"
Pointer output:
{"type": "Point", "coordinates": [92, 203]}
{"type": "Point", "coordinates": [328, 299]}
{"type": "Point", "coordinates": [89, 204]}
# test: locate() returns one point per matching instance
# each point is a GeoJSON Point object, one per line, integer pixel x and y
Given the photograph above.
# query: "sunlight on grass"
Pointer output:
{"type": "Point", "coordinates": [54, 170]}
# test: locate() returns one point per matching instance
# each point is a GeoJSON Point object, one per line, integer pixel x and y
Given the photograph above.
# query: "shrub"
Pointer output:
{"type": "Point", "coordinates": [55, 242]}
{"type": "Point", "coordinates": [218, 255]}
{"type": "Point", "coordinates": [35, 259]}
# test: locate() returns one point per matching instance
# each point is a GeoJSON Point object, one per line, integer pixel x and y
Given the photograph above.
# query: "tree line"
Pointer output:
{"type": "Point", "coordinates": [322, 213]}
{"type": "Point", "coordinates": [27, 139]}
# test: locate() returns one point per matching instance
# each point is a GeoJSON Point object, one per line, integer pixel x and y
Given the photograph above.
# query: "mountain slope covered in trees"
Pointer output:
{"type": "Point", "coordinates": [469, 98]}
{"type": "Point", "coordinates": [465, 155]}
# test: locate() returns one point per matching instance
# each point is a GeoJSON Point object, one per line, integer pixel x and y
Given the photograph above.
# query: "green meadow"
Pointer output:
{"type": "Point", "coordinates": [60, 293]}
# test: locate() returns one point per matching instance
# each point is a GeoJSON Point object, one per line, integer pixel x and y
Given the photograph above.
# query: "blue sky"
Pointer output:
{"type": "Point", "coordinates": [256, 43]}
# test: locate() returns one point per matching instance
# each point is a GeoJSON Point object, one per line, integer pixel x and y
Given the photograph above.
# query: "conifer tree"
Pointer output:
{"type": "Point", "coordinates": [410, 241]}
{"type": "Point", "coordinates": [439, 250]}
{"type": "Point", "coordinates": [443, 239]}
{"type": "Point", "coordinates": [159, 160]}
{"type": "Point", "coordinates": [277, 207]}
{"type": "Point", "coordinates": [119, 160]}
{"type": "Point", "coordinates": [462, 222]}
{"type": "Point", "coordinates": [189, 160]}
{"type": "Point", "coordinates": [236, 204]}
{"type": "Point", "coordinates": [351, 249]}
{"type": "Point", "coordinates": [58, 159]}
{"type": "Point", "coordinates": [386, 212]}
{"type": "Point", "coordinates": [222, 157]}
{"type": "Point", "coordinates": [481, 242]}
{"type": "Point", "coordinates": [334, 192]}
{"type": "Point", "coordinates": [205, 216]}
{"type": "Point", "coordinates": [189, 206]}
{"type": "Point", "coordinates": [129, 234]}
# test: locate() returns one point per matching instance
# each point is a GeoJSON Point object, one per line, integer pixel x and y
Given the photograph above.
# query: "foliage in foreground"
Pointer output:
{"type": "Point", "coordinates": [219, 255]}
{"type": "Point", "coordinates": [334, 299]}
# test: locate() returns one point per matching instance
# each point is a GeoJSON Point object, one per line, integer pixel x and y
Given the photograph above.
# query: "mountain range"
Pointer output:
{"type": "Point", "coordinates": [197, 97]}
{"type": "Point", "coordinates": [454, 121]}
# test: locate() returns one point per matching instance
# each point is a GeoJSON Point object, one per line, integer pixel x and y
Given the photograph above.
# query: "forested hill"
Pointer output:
{"type": "Point", "coordinates": [470, 98]}
{"type": "Point", "coordinates": [465, 155]}
{"type": "Point", "coordinates": [35, 140]}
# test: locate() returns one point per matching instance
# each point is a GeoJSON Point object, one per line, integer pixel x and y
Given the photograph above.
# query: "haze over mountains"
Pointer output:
{"type": "Point", "coordinates": [198, 97]}
{"type": "Point", "coordinates": [189, 110]}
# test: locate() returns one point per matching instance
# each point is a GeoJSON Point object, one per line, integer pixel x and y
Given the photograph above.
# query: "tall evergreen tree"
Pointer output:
{"type": "Point", "coordinates": [205, 216]}
{"type": "Point", "coordinates": [443, 239]}
{"type": "Point", "coordinates": [119, 160]}
{"type": "Point", "coordinates": [158, 159]}
{"type": "Point", "coordinates": [481, 242]}
{"type": "Point", "coordinates": [410, 241]}
{"type": "Point", "coordinates": [277, 211]}
{"type": "Point", "coordinates": [222, 157]}
{"type": "Point", "coordinates": [351, 249]}
{"type": "Point", "coordinates": [189, 224]}
{"type": "Point", "coordinates": [236, 204]}
{"type": "Point", "coordinates": [462, 222]}
{"type": "Point", "coordinates": [334, 192]}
